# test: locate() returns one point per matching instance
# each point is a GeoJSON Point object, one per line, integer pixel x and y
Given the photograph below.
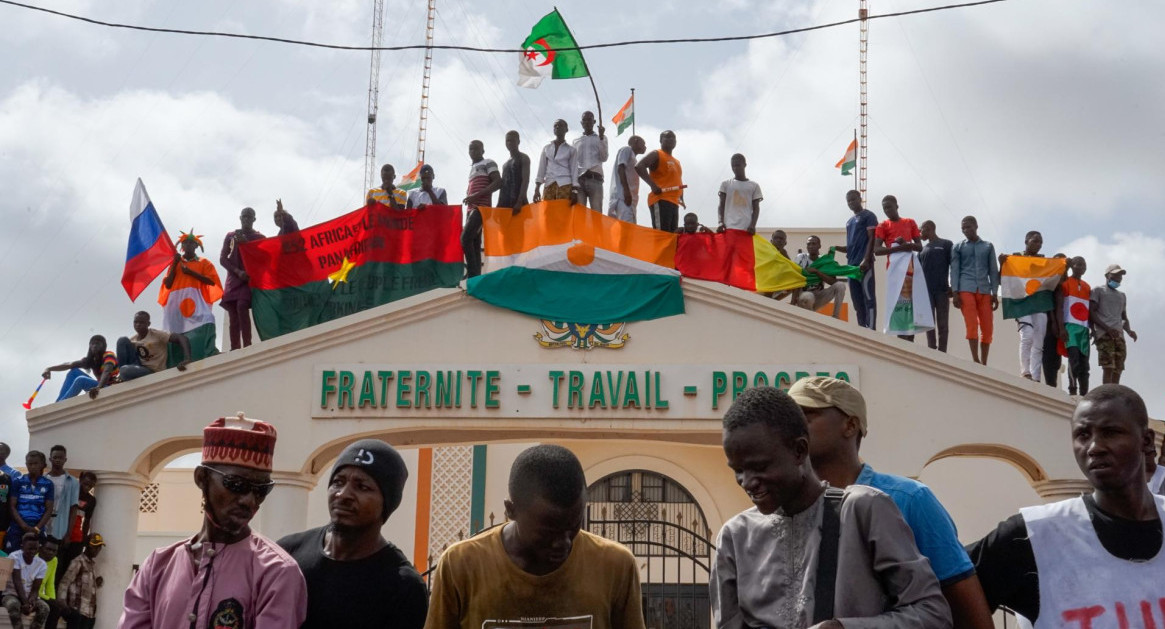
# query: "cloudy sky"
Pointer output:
{"type": "Point", "coordinates": [1031, 114]}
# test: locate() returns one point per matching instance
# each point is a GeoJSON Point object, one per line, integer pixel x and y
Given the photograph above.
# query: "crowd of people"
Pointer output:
{"type": "Point", "coordinates": [45, 530]}
{"type": "Point", "coordinates": [964, 274]}
{"type": "Point", "coordinates": [829, 543]}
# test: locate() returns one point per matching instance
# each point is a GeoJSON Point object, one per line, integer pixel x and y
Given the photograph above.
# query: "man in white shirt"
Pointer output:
{"type": "Point", "coordinates": [1155, 469]}
{"type": "Point", "coordinates": [591, 149]}
{"type": "Point", "coordinates": [625, 181]}
{"type": "Point", "coordinates": [20, 597]}
{"type": "Point", "coordinates": [739, 199]}
{"type": "Point", "coordinates": [557, 168]}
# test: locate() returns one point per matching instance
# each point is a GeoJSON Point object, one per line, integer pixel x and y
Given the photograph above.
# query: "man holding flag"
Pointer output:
{"type": "Point", "coordinates": [189, 289]}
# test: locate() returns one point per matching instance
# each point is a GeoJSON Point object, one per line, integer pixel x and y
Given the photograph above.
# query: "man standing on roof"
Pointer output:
{"type": "Point", "coordinates": [515, 175]}
{"type": "Point", "coordinates": [859, 252]}
{"type": "Point", "coordinates": [625, 181]}
{"type": "Point", "coordinates": [226, 575]}
{"type": "Point", "coordinates": [557, 168]}
{"type": "Point", "coordinates": [740, 199]}
{"type": "Point", "coordinates": [236, 299]}
{"type": "Point", "coordinates": [1032, 327]}
{"type": "Point", "coordinates": [387, 194]}
{"type": "Point", "coordinates": [936, 268]}
{"type": "Point", "coordinates": [1110, 322]}
{"type": "Point", "coordinates": [591, 149]}
{"type": "Point", "coordinates": [188, 290]}
{"type": "Point", "coordinates": [975, 283]}
{"type": "Point", "coordinates": [1094, 560]}
{"type": "Point", "coordinates": [664, 174]}
{"type": "Point", "coordinates": [484, 179]}
{"type": "Point", "coordinates": [427, 194]}
{"type": "Point", "coordinates": [893, 236]}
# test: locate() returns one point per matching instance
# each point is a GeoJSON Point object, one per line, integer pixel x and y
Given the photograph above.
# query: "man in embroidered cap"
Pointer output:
{"type": "Point", "coordinates": [225, 577]}
{"type": "Point", "coordinates": [356, 579]}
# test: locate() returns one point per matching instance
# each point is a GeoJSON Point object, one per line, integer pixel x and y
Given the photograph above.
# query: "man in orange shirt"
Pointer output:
{"type": "Point", "coordinates": [664, 174]}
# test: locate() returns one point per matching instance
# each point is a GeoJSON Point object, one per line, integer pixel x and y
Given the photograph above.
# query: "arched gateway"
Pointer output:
{"type": "Point", "coordinates": [458, 385]}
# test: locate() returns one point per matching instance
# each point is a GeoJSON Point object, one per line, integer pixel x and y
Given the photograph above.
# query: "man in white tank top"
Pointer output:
{"type": "Point", "coordinates": [1093, 561]}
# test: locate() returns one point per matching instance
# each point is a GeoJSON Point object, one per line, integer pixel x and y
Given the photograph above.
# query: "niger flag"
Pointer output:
{"type": "Point", "coordinates": [738, 259]}
{"type": "Point", "coordinates": [361, 260]}
{"type": "Point", "coordinates": [1027, 284]}
{"type": "Point", "coordinates": [569, 264]}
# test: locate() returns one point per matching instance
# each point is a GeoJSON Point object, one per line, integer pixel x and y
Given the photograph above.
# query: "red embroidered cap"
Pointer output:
{"type": "Point", "coordinates": [239, 441]}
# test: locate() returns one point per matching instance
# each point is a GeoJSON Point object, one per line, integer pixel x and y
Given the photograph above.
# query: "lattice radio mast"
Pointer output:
{"type": "Point", "coordinates": [370, 169]}
{"type": "Point", "coordinates": [863, 15]}
{"type": "Point", "coordinates": [424, 126]}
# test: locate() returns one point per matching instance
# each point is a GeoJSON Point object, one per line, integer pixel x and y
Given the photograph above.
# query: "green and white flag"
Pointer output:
{"type": "Point", "coordinates": [544, 56]}
{"type": "Point", "coordinates": [849, 160]}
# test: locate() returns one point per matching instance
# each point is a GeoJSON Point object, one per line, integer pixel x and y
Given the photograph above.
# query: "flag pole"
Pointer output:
{"type": "Point", "coordinates": [598, 105]}
{"type": "Point", "coordinates": [633, 111]}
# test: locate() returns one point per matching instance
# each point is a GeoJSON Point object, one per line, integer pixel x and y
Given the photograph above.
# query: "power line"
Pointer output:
{"type": "Point", "coordinates": [636, 42]}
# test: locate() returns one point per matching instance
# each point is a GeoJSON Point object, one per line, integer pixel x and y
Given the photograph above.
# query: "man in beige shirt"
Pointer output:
{"type": "Point", "coordinates": [148, 350]}
{"type": "Point", "coordinates": [539, 569]}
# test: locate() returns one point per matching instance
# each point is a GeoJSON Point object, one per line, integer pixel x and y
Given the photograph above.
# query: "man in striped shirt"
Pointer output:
{"type": "Point", "coordinates": [387, 194]}
{"type": "Point", "coordinates": [484, 179]}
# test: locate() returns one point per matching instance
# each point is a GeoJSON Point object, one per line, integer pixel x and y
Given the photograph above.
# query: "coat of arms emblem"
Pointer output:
{"type": "Point", "coordinates": [585, 336]}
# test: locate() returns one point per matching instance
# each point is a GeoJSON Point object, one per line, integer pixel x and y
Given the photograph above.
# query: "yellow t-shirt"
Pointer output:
{"type": "Point", "coordinates": [478, 586]}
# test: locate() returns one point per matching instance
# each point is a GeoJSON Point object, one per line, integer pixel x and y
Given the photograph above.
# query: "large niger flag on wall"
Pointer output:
{"type": "Point", "coordinates": [1028, 284]}
{"type": "Point", "coordinates": [360, 260]}
{"type": "Point", "coordinates": [738, 259]}
{"type": "Point", "coordinates": [570, 264]}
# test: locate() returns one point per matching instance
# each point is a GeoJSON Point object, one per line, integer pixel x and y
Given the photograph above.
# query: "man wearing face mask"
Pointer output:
{"type": "Point", "coordinates": [1110, 322]}
{"type": "Point", "coordinates": [224, 576]}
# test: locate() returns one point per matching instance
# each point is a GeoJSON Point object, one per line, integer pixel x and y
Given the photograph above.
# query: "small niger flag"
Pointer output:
{"type": "Point", "coordinates": [738, 259]}
{"type": "Point", "coordinates": [625, 116]}
{"type": "Point", "coordinates": [849, 160]}
{"type": "Point", "coordinates": [413, 179]}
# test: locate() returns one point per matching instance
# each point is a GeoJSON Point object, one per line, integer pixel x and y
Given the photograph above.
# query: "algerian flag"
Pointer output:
{"type": "Point", "coordinates": [413, 179]}
{"type": "Point", "coordinates": [1027, 284]}
{"type": "Point", "coordinates": [626, 116]}
{"type": "Point", "coordinates": [544, 56]}
{"type": "Point", "coordinates": [847, 163]}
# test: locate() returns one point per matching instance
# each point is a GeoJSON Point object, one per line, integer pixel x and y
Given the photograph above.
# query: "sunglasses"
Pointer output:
{"type": "Point", "coordinates": [239, 485]}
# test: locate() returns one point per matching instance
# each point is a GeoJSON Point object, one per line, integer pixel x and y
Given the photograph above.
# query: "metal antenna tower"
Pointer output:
{"type": "Point", "coordinates": [370, 169]}
{"type": "Point", "coordinates": [424, 126]}
{"type": "Point", "coordinates": [863, 15]}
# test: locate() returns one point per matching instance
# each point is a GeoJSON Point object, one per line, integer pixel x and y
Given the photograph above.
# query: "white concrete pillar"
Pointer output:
{"type": "Point", "coordinates": [285, 509]}
{"type": "Point", "coordinates": [1055, 490]}
{"type": "Point", "coordinates": [116, 519]}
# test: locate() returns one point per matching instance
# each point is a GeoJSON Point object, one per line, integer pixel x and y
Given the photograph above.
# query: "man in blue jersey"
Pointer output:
{"type": "Point", "coordinates": [836, 412]}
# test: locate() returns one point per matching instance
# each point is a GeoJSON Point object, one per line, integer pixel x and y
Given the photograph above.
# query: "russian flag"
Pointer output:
{"type": "Point", "coordinates": [150, 250]}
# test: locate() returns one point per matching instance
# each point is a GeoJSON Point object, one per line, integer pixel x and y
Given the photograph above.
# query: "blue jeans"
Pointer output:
{"type": "Point", "coordinates": [865, 303]}
{"type": "Point", "coordinates": [76, 382]}
{"type": "Point", "coordinates": [129, 363]}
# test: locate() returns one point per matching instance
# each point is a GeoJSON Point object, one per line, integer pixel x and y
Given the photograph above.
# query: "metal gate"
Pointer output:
{"type": "Point", "coordinates": [664, 527]}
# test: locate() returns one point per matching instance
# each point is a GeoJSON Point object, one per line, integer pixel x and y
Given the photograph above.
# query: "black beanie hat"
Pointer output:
{"type": "Point", "coordinates": [380, 461]}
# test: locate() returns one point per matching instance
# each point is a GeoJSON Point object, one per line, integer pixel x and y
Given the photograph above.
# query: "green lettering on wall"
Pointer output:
{"type": "Point", "coordinates": [326, 387]}
{"type": "Point", "coordinates": [841, 375]}
{"type": "Point", "coordinates": [491, 389]}
{"type": "Point", "coordinates": [385, 377]}
{"type": "Point", "coordinates": [555, 385]}
{"type": "Point", "coordinates": [719, 387]}
{"type": "Point", "coordinates": [659, 401]}
{"type": "Point", "coordinates": [800, 374]}
{"type": "Point", "coordinates": [423, 380]}
{"type": "Point", "coordinates": [347, 381]}
{"type": "Point", "coordinates": [574, 387]}
{"type": "Point", "coordinates": [614, 388]}
{"type": "Point", "coordinates": [598, 393]}
{"type": "Point", "coordinates": [631, 394]}
{"type": "Point", "coordinates": [403, 388]}
{"type": "Point", "coordinates": [647, 388]}
{"type": "Point", "coordinates": [443, 398]}
{"type": "Point", "coordinates": [782, 380]}
{"type": "Point", "coordinates": [761, 379]}
{"type": "Point", "coordinates": [458, 388]}
{"type": "Point", "coordinates": [474, 377]}
{"type": "Point", "coordinates": [739, 383]}
{"type": "Point", "coordinates": [367, 391]}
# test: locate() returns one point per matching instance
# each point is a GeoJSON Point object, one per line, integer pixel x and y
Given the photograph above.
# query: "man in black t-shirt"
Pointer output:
{"type": "Point", "coordinates": [1092, 558]}
{"type": "Point", "coordinates": [355, 578]}
{"type": "Point", "coordinates": [936, 267]}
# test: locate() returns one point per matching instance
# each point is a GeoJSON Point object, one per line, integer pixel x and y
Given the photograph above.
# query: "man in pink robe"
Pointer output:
{"type": "Point", "coordinates": [225, 577]}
